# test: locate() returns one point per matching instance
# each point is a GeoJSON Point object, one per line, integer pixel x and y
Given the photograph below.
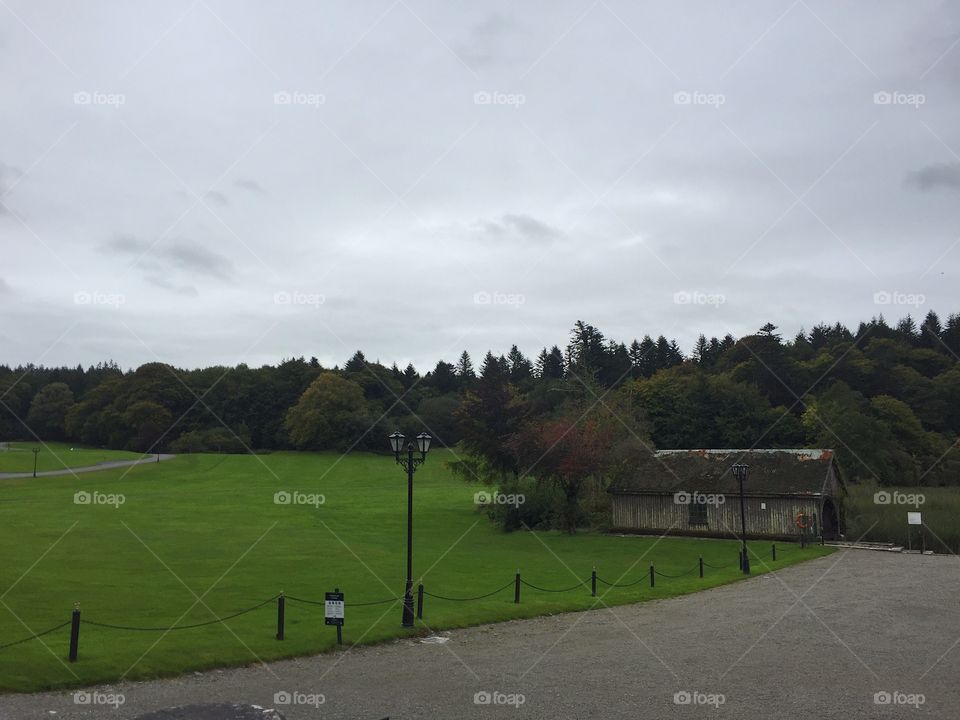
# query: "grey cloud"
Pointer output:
{"type": "Point", "coordinates": [485, 40]}
{"type": "Point", "coordinates": [4, 287]}
{"type": "Point", "coordinates": [165, 284]}
{"type": "Point", "coordinates": [218, 197]}
{"type": "Point", "coordinates": [174, 256]}
{"type": "Point", "coordinates": [125, 244]}
{"type": "Point", "coordinates": [251, 185]}
{"type": "Point", "coordinates": [936, 175]}
{"type": "Point", "coordinates": [524, 226]}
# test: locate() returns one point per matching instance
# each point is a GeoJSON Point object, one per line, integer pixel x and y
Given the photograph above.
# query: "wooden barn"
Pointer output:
{"type": "Point", "coordinates": [695, 492]}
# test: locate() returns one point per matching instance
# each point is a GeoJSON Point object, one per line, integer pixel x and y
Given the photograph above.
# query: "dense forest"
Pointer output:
{"type": "Point", "coordinates": [887, 398]}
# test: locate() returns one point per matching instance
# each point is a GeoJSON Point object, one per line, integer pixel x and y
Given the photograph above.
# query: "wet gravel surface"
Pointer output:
{"type": "Point", "coordinates": [818, 640]}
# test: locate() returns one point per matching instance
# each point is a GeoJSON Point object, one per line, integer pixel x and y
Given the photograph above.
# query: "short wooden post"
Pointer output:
{"type": "Point", "coordinates": [701, 566]}
{"type": "Point", "coordinates": [593, 583]}
{"type": "Point", "coordinates": [74, 632]}
{"type": "Point", "coordinates": [773, 551]}
{"type": "Point", "coordinates": [652, 581]}
{"type": "Point", "coordinates": [420, 601]}
{"type": "Point", "coordinates": [516, 587]}
{"type": "Point", "coordinates": [281, 607]}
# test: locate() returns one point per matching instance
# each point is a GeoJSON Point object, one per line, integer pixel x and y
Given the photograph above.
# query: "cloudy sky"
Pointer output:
{"type": "Point", "coordinates": [214, 182]}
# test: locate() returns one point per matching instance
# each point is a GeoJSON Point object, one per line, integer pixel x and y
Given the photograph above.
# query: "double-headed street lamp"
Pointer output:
{"type": "Point", "coordinates": [409, 464]}
{"type": "Point", "coordinates": [740, 472]}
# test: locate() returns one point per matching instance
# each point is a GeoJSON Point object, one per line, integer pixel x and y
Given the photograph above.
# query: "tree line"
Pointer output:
{"type": "Point", "coordinates": [886, 397]}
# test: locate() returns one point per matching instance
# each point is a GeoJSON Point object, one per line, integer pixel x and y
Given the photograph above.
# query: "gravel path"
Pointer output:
{"type": "Point", "coordinates": [108, 465]}
{"type": "Point", "coordinates": [816, 640]}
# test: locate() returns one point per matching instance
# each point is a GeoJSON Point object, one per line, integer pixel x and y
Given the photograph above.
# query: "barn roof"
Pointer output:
{"type": "Point", "coordinates": [788, 471]}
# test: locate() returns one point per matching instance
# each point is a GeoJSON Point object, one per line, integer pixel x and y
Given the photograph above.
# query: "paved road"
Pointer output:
{"type": "Point", "coordinates": [108, 465]}
{"type": "Point", "coordinates": [815, 641]}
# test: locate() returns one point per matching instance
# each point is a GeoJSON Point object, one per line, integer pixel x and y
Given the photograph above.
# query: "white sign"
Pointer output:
{"type": "Point", "coordinates": [913, 518]}
{"type": "Point", "coordinates": [334, 609]}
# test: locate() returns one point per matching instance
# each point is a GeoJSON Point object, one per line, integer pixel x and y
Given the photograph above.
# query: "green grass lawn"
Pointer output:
{"type": "Point", "coordinates": [18, 456]}
{"type": "Point", "coordinates": [887, 522]}
{"type": "Point", "coordinates": [207, 526]}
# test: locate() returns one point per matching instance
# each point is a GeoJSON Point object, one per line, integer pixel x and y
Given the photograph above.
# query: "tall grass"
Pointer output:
{"type": "Point", "coordinates": [874, 521]}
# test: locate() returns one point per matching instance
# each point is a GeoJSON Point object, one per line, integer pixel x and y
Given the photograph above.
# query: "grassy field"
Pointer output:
{"type": "Point", "coordinates": [201, 536]}
{"type": "Point", "coordinates": [18, 456]}
{"type": "Point", "coordinates": [878, 522]}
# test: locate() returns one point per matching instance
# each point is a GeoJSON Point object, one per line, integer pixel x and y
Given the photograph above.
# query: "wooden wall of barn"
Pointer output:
{"type": "Point", "coordinates": [765, 517]}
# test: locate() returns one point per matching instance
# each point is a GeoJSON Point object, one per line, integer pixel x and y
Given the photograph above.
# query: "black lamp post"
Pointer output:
{"type": "Point", "coordinates": [740, 472]}
{"type": "Point", "coordinates": [409, 464]}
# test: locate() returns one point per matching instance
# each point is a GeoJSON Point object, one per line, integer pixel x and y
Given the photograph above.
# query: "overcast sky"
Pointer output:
{"type": "Point", "coordinates": [216, 182]}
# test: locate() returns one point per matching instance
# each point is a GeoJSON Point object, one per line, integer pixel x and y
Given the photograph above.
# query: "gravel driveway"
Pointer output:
{"type": "Point", "coordinates": [817, 640]}
{"type": "Point", "coordinates": [106, 465]}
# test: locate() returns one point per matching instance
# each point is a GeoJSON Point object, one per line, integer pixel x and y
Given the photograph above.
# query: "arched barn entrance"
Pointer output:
{"type": "Point", "coordinates": [830, 520]}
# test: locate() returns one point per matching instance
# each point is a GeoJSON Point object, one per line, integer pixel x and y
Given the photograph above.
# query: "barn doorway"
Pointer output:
{"type": "Point", "coordinates": [830, 522]}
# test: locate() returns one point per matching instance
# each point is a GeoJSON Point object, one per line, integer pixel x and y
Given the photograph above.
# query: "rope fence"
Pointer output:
{"type": "Point", "coordinates": [517, 583]}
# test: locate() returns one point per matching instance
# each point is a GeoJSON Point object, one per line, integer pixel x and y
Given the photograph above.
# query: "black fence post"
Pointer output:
{"type": "Point", "coordinates": [420, 601]}
{"type": "Point", "coordinates": [773, 551]}
{"type": "Point", "coordinates": [803, 540]}
{"type": "Point", "coordinates": [701, 566]}
{"type": "Point", "coordinates": [281, 607]}
{"type": "Point", "coordinates": [651, 575]}
{"type": "Point", "coordinates": [593, 583]}
{"type": "Point", "coordinates": [74, 632]}
{"type": "Point", "coordinates": [516, 587]}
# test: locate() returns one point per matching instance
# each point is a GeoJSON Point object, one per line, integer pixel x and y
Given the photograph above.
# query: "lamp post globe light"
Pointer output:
{"type": "Point", "coordinates": [409, 463]}
{"type": "Point", "coordinates": [740, 472]}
